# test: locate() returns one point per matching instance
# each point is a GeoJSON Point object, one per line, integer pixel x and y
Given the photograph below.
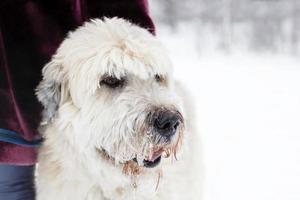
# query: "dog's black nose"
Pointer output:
{"type": "Point", "coordinates": [166, 123]}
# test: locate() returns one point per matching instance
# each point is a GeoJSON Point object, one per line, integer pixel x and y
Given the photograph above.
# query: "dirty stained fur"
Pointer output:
{"type": "Point", "coordinates": [104, 93]}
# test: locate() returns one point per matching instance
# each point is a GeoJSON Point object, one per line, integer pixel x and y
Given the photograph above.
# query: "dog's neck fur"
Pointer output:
{"type": "Point", "coordinates": [107, 180]}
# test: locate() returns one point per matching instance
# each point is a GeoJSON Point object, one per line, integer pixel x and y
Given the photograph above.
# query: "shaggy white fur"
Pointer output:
{"type": "Point", "coordinates": [101, 92]}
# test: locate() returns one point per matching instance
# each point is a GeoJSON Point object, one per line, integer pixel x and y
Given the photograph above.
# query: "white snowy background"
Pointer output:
{"type": "Point", "coordinates": [242, 68]}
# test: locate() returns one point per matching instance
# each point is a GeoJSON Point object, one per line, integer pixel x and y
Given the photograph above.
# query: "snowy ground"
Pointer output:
{"type": "Point", "coordinates": [248, 108]}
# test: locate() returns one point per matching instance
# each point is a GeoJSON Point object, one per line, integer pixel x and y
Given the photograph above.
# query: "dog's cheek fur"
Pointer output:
{"type": "Point", "coordinates": [116, 127]}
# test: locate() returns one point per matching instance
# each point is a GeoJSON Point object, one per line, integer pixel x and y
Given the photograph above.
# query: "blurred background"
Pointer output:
{"type": "Point", "coordinates": [240, 59]}
{"type": "Point", "coordinates": [255, 25]}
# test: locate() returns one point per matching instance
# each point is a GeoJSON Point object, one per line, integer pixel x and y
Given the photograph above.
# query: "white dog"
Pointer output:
{"type": "Point", "coordinates": [114, 123]}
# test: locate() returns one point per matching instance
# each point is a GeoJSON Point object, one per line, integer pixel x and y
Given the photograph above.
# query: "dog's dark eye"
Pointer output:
{"type": "Point", "coordinates": [112, 82]}
{"type": "Point", "coordinates": [159, 78]}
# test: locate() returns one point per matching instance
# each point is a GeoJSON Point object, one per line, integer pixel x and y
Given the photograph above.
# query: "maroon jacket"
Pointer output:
{"type": "Point", "coordinates": [30, 32]}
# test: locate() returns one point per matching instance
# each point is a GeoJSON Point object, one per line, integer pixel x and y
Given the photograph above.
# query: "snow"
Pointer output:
{"type": "Point", "coordinates": [248, 108]}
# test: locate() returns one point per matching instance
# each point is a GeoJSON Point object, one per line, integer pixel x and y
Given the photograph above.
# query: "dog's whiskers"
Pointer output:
{"type": "Point", "coordinates": [159, 175]}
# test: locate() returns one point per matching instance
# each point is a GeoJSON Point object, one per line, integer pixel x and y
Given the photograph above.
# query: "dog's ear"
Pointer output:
{"type": "Point", "coordinates": [51, 91]}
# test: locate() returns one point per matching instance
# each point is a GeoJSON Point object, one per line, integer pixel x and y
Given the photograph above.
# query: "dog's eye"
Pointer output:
{"type": "Point", "coordinates": [112, 82]}
{"type": "Point", "coordinates": [159, 78]}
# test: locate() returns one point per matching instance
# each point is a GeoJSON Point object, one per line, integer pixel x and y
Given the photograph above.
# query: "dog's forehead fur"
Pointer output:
{"type": "Point", "coordinates": [112, 46]}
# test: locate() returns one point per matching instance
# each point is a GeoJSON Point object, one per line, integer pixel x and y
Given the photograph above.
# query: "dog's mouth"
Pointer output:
{"type": "Point", "coordinates": [150, 161]}
{"type": "Point", "coordinates": [153, 159]}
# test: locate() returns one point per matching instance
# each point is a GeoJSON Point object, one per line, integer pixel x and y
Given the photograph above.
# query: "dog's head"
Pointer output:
{"type": "Point", "coordinates": [111, 83]}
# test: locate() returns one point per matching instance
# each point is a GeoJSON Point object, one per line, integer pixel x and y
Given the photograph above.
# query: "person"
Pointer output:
{"type": "Point", "coordinates": [30, 32]}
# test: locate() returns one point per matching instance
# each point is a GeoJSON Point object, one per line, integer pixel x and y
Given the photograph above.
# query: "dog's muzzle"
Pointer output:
{"type": "Point", "coordinates": [165, 124]}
